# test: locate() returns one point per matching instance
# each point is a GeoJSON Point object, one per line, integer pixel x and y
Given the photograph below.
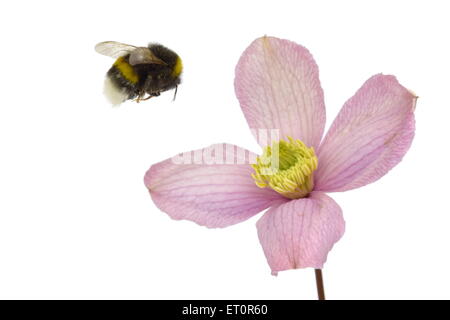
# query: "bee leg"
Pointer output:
{"type": "Point", "coordinates": [151, 95]}
{"type": "Point", "coordinates": [142, 93]}
{"type": "Point", "coordinates": [140, 97]}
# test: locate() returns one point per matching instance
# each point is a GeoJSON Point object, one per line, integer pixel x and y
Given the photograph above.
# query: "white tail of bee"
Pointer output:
{"type": "Point", "coordinates": [114, 94]}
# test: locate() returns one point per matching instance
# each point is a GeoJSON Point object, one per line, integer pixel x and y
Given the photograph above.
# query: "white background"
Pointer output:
{"type": "Point", "coordinates": [75, 218]}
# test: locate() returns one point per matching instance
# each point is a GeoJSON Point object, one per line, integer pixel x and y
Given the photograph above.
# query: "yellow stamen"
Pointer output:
{"type": "Point", "coordinates": [287, 167]}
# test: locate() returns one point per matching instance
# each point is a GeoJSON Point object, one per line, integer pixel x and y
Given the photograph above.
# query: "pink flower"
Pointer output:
{"type": "Point", "coordinates": [277, 84]}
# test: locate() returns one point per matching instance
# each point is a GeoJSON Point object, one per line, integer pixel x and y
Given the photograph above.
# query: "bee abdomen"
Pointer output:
{"type": "Point", "coordinates": [126, 70]}
{"type": "Point", "coordinates": [121, 82]}
{"type": "Point", "coordinates": [115, 95]}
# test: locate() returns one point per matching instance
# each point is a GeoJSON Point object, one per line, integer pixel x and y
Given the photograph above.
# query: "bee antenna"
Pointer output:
{"type": "Point", "coordinates": [175, 94]}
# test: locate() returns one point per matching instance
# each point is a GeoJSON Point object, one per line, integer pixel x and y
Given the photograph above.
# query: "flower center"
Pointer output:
{"type": "Point", "coordinates": [287, 167]}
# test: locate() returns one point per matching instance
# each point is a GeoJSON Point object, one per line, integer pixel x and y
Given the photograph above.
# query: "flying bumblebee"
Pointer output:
{"type": "Point", "coordinates": [139, 71]}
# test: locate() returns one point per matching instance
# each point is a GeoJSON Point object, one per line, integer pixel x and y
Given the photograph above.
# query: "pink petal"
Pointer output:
{"type": "Point", "coordinates": [277, 84]}
{"type": "Point", "coordinates": [370, 136]}
{"type": "Point", "coordinates": [300, 233]}
{"type": "Point", "coordinates": [218, 193]}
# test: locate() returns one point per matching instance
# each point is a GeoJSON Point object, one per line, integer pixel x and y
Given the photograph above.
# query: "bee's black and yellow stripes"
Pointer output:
{"type": "Point", "coordinates": [126, 70]}
{"type": "Point", "coordinates": [177, 68]}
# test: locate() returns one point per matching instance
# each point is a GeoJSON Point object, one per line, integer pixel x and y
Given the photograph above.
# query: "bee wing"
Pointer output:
{"type": "Point", "coordinates": [114, 49]}
{"type": "Point", "coordinates": [144, 55]}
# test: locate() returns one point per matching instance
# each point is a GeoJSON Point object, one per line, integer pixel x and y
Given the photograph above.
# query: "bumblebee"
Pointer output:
{"type": "Point", "coordinates": [139, 71]}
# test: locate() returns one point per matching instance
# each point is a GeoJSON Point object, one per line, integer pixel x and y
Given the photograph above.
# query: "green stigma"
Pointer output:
{"type": "Point", "coordinates": [287, 167]}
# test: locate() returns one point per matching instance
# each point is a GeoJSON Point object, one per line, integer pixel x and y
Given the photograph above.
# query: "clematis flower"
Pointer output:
{"type": "Point", "coordinates": [277, 85]}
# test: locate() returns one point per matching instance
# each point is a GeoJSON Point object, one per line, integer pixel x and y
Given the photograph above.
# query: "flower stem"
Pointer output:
{"type": "Point", "coordinates": [319, 284]}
